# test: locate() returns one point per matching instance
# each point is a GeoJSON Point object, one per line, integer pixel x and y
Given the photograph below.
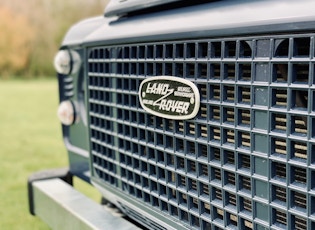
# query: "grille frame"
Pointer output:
{"type": "Point", "coordinates": [246, 139]}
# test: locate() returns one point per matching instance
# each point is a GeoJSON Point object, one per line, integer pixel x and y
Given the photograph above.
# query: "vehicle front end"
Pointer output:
{"type": "Point", "coordinates": [195, 115]}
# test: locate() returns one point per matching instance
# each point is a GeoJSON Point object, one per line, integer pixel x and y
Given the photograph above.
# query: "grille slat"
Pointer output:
{"type": "Point", "coordinates": [255, 128]}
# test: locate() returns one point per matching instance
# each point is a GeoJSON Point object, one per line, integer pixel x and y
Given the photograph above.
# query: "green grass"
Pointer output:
{"type": "Point", "coordinates": [30, 140]}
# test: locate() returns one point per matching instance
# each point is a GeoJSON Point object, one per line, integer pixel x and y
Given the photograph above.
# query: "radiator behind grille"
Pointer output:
{"type": "Point", "coordinates": [245, 161]}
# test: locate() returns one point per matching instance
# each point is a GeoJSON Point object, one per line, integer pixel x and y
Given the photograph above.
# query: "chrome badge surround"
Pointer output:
{"type": "Point", "coordinates": [170, 97]}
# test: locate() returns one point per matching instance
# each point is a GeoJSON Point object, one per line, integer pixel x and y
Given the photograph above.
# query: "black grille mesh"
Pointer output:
{"type": "Point", "coordinates": [246, 160]}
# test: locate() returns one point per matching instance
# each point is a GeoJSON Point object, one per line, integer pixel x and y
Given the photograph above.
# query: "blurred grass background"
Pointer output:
{"type": "Point", "coordinates": [30, 140]}
{"type": "Point", "coordinates": [30, 133]}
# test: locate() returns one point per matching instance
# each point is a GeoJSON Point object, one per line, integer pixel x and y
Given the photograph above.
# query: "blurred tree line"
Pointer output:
{"type": "Point", "coordinates": [31, 32]}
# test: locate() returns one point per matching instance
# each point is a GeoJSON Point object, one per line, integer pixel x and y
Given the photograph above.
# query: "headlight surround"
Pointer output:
{"type": "Point", "coordinates": [67, 62]}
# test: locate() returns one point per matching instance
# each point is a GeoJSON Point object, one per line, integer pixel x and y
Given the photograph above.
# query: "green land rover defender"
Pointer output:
{"type": "Point", "coordinates": [186, 114]}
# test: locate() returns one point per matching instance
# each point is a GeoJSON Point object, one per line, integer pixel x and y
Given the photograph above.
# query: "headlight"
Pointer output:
{"type": "Point", "coordinates": [67, 62]}
{"type": "Point", "coordinates": [67, 113]}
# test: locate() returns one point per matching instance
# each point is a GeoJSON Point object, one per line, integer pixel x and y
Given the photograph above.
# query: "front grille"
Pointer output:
{"type": "Point", "coordinates": [245, 161]}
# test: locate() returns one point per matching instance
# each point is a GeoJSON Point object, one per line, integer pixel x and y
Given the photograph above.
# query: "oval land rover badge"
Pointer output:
{"type": "Point", "coordinates": [169, 97]}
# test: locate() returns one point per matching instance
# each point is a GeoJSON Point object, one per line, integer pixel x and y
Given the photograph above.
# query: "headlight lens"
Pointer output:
{"type": "Point", "coordinates": [66, 112]}
{"type": "Point", "coordinates": [67, 62]}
